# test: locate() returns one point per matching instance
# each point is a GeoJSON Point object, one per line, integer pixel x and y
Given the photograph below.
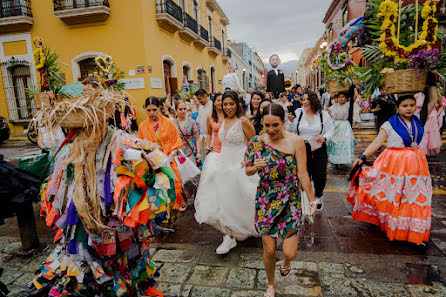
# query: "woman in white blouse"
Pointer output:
{"type": "Point", "coordinates": [316, 127]}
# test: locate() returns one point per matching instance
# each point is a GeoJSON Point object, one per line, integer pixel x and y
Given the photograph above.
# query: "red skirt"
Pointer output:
{"type": "Point", "coordinates": [395, 194]}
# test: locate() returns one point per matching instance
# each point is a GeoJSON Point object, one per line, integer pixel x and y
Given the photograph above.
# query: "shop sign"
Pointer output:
{"type": "Point", "coordinates": [140, 69]}
{"type": "Point", "coordinates": [156, 83]}
{"type": "Point", "coordinates": [134, 83]}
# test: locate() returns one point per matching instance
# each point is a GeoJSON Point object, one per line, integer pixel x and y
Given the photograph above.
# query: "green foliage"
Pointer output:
{"type": "Point", "coordinates": [53, 69]}
{"type": "Point", "coordinates": [187, 94]}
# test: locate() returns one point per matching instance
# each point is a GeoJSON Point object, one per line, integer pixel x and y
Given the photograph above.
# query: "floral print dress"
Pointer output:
{"type": "Point", "coordinates": [187, 134]}
{"type": "Point", "coordinates": [278, 205]}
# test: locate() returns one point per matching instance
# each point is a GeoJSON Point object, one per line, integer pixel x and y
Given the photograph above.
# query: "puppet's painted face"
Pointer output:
{"type": "Point", "coordinates": [274, 61]}
{"type": "Point", "coordinates": [230, 65]}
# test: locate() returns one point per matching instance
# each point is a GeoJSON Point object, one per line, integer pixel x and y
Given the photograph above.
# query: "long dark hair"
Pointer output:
{"type": "Point", "coordinates": [152, 100]}
{"type": "Point", "coordinates": [214, 109]}
{"type": "Point", "coordinates": [275, 110]}
{"type": "Point", "coordinates": [234, 97]}
{"type": "Point", "coordinates": [261, 95]}
{"type": "Point", "coordinates": [315, 103]}
{"type": "Point", "coordinates": [171, 110]}
{"type": "Point", "coordinates": [257, 119]}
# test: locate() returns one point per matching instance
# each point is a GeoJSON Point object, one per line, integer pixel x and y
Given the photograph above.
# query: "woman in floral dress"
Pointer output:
{"type": "Point", "coordinates": [279, 158]}
{"type": "Point", "coordinates": [188, 129]}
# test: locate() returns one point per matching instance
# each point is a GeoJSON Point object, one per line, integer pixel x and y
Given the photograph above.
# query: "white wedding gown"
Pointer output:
{"type": "Point", "coordinates": [226, 195]}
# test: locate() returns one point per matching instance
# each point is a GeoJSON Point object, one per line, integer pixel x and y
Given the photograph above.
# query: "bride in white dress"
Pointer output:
{"type": "Point", "coordinates": [226, 195]}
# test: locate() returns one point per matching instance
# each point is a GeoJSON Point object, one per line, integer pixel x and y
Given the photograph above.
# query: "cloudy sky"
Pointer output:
{"type": "Point", "coordinates": [284, 27]}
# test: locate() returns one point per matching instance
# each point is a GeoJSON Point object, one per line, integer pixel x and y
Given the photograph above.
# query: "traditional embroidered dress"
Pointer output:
{"type": "Point", "coordinates": [187, 135]}
{"type": "Point", "coordinates": [396, 192]}
{"type": "Point", "coordinates": [278, 206]}
{"type": "Point", "coordinates": [341, 147]}
{"type": "Point", "coordinates": [167, 136]}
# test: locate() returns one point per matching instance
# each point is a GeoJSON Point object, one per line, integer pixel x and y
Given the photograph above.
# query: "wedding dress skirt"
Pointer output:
{"type": "Point", "coordinates": [226, 195]}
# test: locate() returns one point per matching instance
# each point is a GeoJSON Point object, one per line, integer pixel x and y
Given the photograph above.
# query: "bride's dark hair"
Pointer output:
{"type": "Point", "coordinates": [233, 95]}
{"type": "Point", "coordinates": [275, 110]}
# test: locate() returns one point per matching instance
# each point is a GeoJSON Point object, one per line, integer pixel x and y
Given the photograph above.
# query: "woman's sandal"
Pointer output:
{"type": "Point", "coordinates": [270, 291]}
{"type": "Point", "coordinates": [285, 270]}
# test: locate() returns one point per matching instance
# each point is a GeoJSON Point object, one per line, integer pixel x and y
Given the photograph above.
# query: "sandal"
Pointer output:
{"type": "Point", "coordinates": [270, 291]}
{"type": "Point", "coordinates": [285, 270]}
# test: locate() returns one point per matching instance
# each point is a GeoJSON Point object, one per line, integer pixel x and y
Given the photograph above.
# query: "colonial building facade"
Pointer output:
{"type": "Point", "coordinates": [158, 44]}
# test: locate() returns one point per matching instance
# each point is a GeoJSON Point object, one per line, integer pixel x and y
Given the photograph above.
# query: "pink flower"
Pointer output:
{"type": "Point", "coordinates": [283, 195]}
{"type": "Point", "coordinates": [295, 215]}
{"type": "Point", "coordinates": [262, 201]}
{"type": "Point", "coordinates": [281, 164]}
{"type": "Point", "coordinates": [282, 225]}
{"type": "Point", "coordinates": [267, 220]}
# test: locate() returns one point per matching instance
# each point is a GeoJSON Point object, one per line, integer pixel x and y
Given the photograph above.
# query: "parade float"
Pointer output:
{"type": "Point", "coordinates": [400, 56]}
{"type": "Point", "coordinates": [336, 63]}
{"type": "Point", "coordinates": [107, 198]}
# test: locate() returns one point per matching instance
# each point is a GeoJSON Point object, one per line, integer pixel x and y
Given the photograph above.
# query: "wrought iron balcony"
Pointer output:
{"type": "Point", "coordinates": [214, 46]}
{"type": "Point", "coordinates": [203, 37]}
{"type": "Point", "coordinates": [204, 33]}
{"type": "Point", "coordinates": [81, 11]}
{"type": "Point", "coordinates": [169, 15]}
{"type": "Point", "coordinates": [227, 54]}
{"type": "Point", "coordinates": [15, 15]}
{"type": "Point", "coordinates": [190, 29]}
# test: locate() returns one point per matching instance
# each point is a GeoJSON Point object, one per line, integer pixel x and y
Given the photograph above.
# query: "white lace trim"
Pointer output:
{"type": "Point", "coordinates": [400, 223]}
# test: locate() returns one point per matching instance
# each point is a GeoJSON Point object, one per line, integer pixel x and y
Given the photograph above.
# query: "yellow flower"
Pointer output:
{"type": "Point", "coordinates": [257, 146]}
{"type": "Point", "coordinates": [276, 204]}
{"type": "Point", "coordinates": [260, 215]}
{"type": "Point", "coordinates": [39, 58]}
{"type": "Point", "coordinates": [274, 173]}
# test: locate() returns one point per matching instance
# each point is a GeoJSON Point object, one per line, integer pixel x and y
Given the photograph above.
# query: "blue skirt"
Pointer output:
{"type": "Point", "coordinates": [341, 148]}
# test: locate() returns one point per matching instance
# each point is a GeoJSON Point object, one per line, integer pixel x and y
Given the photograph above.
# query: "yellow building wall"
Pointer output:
{"type": "Point", "coordinates": [132, 35]}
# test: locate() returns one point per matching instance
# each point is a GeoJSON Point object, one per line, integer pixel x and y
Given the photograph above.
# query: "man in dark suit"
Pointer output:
{"type": "Point", "coordinates": [275, 81]}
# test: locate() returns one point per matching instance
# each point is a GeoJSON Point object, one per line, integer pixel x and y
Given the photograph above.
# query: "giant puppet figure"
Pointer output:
{"type": "Point", "coordinates": [231, 81]}
{"type": "Point", "coordinates": [275, 81]}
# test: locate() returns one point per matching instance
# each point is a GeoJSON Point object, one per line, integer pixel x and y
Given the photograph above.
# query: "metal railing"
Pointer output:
{"type": "Point", "coordinates": [70, 4]}
{"type": "Point", "coordinates": [190, 22]}
{"type": "Point", "coordinates": [171, 8]}
{"type": "Point", "coordinates": [228, 53]}
{"type": "Point", "coordinates": [217, 44]}
{"type": "Point", "coordinates": [204, 33]}
{"type": "Point", "coordinates": [15, 8]}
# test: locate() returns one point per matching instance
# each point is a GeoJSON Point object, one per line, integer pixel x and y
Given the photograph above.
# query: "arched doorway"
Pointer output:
{"type": "Point", "coordinates": [187, 75]}
{"type": "Point", "coordinates": [170, 83]}
{"type": "Point", "coordinates": [87, 68]}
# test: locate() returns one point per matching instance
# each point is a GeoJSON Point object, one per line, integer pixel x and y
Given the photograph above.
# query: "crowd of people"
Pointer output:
{"type": "Point", "coordinates": [257, 154]}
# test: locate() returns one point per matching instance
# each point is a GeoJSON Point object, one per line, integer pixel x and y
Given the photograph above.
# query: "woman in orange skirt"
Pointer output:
{"type": "Point", "coordinates": [396, 192]}
{"type": "Point", "coordinates": [162, 130]}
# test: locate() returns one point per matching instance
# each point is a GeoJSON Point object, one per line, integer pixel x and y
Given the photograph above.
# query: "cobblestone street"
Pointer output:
{"type": "Point", "coordinates": [337, 256]}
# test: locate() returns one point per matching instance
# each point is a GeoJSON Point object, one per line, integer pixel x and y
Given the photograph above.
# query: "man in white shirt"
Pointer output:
{"type": "Point", "coordinates": [204, 112]}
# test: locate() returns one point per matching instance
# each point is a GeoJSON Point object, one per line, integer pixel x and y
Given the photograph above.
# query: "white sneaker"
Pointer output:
{"type": "Point", "coordinates": [320, 204]}
{"type": "Point", "coordinates": [227, 244]}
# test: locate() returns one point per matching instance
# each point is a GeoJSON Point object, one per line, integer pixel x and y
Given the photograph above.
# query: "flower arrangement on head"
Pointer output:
{"type": "Point", "coordinates": [342, 70]}
{"type": "Point", "coordinates": [109, 73]}
{"type": "Point", "coordinates": [400, 48]}
{"type": "Point", "coordinates": [390, 45]}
